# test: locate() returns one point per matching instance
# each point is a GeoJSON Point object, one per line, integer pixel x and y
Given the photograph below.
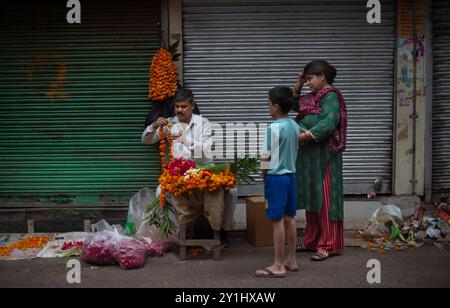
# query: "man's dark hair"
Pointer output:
{"type": "Point", "coordinates": [183, 94]}
{"type": "Point", "coordinates": [166, 109]}
{"type": "Point", "coordinates": [283, 97]}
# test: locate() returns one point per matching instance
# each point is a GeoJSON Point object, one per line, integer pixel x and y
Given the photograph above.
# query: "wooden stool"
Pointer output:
{"type": "Point", "coordinates": [184, 243]}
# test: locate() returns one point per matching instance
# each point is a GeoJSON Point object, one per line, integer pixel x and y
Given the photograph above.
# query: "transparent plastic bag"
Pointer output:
{"type": "Point", "coordinates": [137, 209]}
{"type": "Point", "coordinates": [146, 230]}
{"type": "Point", "coordinates": [128, 252]}
{"type": "Point", "coordinates": [387, 213]}
{"type": "Point", "coordinates": [375, 230]}
{"type": "Point", "coordinates": [97, 246]}
{"type": "Point", "coordinates": [110, 246]}
{"type": "Point", "coordinates": [157, 248]}
{"type": "Point", "coordinates": [103, 225]}
{"type": "Point", "coordinates": [97, 249]}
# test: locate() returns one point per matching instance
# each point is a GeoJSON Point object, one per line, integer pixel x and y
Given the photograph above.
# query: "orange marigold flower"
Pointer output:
{"type": "Point", "coordinates": [36, 242]}
{"type": "Point", "coordinates": [163, 76]}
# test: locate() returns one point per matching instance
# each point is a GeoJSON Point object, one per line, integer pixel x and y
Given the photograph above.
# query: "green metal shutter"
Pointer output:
{"type": "Point", "coordinates": [73, 100]}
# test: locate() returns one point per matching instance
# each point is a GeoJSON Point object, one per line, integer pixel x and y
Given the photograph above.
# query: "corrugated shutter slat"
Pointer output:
{"type": "Point", "coordinates": [441, 96]}
{"type": "Point", "coordinates": [235, 51]}
{"type": "Point", "coordinates": [73, 99]}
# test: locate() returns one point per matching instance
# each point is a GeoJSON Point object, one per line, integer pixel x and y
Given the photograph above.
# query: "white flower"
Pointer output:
{"type": "Point", "coordinates": [191, 173]}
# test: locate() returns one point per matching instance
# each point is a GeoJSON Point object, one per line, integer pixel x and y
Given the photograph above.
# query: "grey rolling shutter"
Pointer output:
{"type": "Point", "coordinates": [441, 96]}
{"type": "Point", "coordinates": [235, 51]}
{"type": "Point", "coordinates": [73, 100]}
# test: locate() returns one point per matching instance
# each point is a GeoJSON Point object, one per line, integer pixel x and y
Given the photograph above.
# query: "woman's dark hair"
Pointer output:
{"type": "Point", "coordinates": [283, 97]}
{"type": "Point", "coordinates": [321, 67]}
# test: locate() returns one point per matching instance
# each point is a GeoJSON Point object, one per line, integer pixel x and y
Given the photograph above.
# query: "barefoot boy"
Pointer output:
{"type": "Point", "coordinates": [278, 163]}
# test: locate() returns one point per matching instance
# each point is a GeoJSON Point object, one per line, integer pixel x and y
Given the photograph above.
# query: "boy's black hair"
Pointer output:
{"type": "Point", "coordinates": [283, 97]}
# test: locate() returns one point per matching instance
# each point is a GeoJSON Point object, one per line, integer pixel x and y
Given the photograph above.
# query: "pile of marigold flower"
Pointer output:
{"type": "Point", "coordinates": [36, 242]}
{"type": "Point", "coordinates": [182, 175]}
{"type": "Point", "coordinates": [163, 76]}
{"type": "Point", "coordinates": [193, 179]}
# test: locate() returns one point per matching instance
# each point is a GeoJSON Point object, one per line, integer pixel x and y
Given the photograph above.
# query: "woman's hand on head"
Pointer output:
{"type": "Point", "coordinates": [300, 82]}
{"type": "Point", "coordinates": [301, 77]}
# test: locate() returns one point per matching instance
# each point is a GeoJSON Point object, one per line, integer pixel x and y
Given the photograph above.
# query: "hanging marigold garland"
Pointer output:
{"type": "Point", "coordinates": [163, 76]}
{"type": "Point", "coordinates": [165, 140]}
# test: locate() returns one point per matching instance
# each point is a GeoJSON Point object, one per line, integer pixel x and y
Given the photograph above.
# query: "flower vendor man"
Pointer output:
{"type": "Point", "coordinates": [193, 140]}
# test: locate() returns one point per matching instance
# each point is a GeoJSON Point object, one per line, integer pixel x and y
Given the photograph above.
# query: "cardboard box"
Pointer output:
{"type": "Point", "coordinates": [259, 227]}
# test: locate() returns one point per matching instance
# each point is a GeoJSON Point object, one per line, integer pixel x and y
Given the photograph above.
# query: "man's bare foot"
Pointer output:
{"type": "Point", "coordinates": [292, 267]}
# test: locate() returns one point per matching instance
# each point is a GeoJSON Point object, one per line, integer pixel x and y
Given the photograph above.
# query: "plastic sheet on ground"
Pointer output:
{"type": "Point", "coordinates": [17, 254]}
{"type": "Point", "coordinates": [64, 245]}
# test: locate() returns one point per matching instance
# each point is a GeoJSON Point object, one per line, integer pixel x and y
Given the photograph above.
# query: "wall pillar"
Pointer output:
{"type": "Point", "coordinates": [176, 32]}
{"type": "Point", "coordinates": [410, 109]}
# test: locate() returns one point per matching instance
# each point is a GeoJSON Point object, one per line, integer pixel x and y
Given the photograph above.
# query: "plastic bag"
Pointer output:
{"type": "Point", "coordinates": [444, 227]}
{"type": "Point", "coordinates": [110, 246]}
{"type": "Point", "coordinates": [146, 230]}
{"type": "Point", "coordinates": [137, 209]}
{"type": "Point", "coordinates": [151, 231]}
{"type": "Point", "coordinates": [128, 252]}
{"type": "Point", "coordinates": [97, 249]}
{"type": "Point", "coordinates": [433, 233]}
{"type": "Point", "coordinates": [157, 248]}
{"type": "Point", "coordinates": [97, 246]}
{"type": "Point", "coordinates": [375, 230]}
{"type": "Point", "coordinates": [387, 213]}
{"type": "Point", "coordinates": [103, 225]}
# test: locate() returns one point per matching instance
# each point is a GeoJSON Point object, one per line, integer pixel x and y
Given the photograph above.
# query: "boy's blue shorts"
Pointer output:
{"type": "Point", "coordinates": [280, 192]}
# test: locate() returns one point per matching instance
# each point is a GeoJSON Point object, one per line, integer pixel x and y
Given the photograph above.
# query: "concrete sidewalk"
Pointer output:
{"type": "Point", "coordinates": [426, 266]}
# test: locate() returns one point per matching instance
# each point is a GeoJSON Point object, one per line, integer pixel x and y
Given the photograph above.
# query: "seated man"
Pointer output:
{"type": "Point", "coordinates": [193, 141]}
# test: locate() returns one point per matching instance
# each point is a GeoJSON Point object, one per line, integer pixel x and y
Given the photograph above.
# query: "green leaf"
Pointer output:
{"type": "Point", "coordinates": [242, 169]}
{"type": "Point", "coordinates": [159, 217]}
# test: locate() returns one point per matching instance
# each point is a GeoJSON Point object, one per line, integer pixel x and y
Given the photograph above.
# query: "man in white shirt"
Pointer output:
{"type": "Point", "coordinates": [194, 131]}
{"type": "Point", "coordinates": [194, 142]}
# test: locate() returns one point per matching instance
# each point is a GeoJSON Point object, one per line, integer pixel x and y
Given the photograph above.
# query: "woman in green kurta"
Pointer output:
{"type": "Point", "coordinates": [323, 117]}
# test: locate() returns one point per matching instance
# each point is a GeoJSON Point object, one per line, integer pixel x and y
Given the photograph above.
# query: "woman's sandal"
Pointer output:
{"type": "Point", "coordinates": [319, 257]}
